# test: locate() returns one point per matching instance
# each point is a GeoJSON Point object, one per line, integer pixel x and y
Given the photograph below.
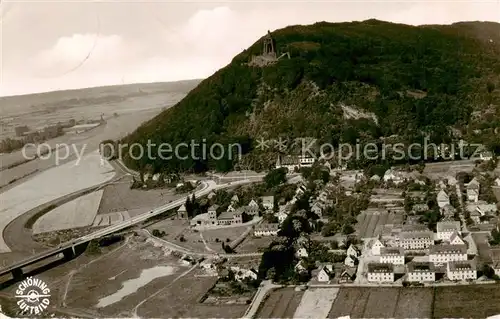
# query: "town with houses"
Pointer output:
{"type": "Point", "coordinates": [413, 228]}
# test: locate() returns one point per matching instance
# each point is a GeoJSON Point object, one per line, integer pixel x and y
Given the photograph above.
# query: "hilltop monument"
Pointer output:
{"type": "Point", "coordinates": [269, 55]}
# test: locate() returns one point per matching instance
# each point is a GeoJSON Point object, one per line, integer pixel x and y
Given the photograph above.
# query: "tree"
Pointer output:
{"type": "Point", "coordinates": [347, 229]}
{"type": "Point", "coordinates": [275, 177]}
{"type": "Point", "coordinates": [93, 248]}
{"type": "Point", "coordinates": [488, 271]}
{"type": "Point", "coordinates": [329, 229]}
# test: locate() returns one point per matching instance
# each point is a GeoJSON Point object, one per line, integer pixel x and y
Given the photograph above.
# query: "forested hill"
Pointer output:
{"type": "Point", "coordinates": [343, 82]}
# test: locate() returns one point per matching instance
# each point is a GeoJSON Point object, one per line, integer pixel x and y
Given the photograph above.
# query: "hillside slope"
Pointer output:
{"type": "Point", "coordinates": [344, 81]}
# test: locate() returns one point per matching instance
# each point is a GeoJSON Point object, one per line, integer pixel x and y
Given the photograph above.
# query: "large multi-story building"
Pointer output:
{"type": "Point", "coordinates": [416, 240]}
{"type": "Point", "coordinates": [461, 270]}
{"type": "Point", "coordinates": [446, 229]}
{"type": "Point", "coordinates": [378, 272]}
{"type": "Point", "coordinates": [392, 255]}
{"type": "Point", "coordinates": [445, 253]}
{"type": "Point", "coordinates": [421, 272]}
{"type": "Point", "coordinates": [231, 217]}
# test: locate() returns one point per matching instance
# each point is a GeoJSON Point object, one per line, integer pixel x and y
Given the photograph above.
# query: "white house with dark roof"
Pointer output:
{"type": "Point", "coordinates": [231, 217]}
{"type": "Point", "coordinates": [182, 212]}
{"type": "Point", "coordinates": [380, 273]}
{"type": "Point", "coordinates": [446, 229]}
{"type": "Point", "coordinates": [253, 208]}
{"type": "Point", "coordinates": [455, 239]}
{"type": "Point", "coordinates": [291, 163]}
{"type": "Point", "coordinates": [235, 199]}
{"type": "Point", "coordinates": [392, 255]}
{"type": "Point", "coordinates": [268, 202]}
{"type": "Point", "coordinates": [442, 199]}
{"type": "Point", "coordinates": [497, 181]}
{"type": "Point", "coordinates": [461, 270]}
{"type": "Point", "coordinates": [348, 275]}
{"type": "Point", "coordinates": [326, 273]}
{"type": "Point", "coordinates": [353, 251]}
{"type": "Point", "coordinates": [376, 246]}
{"type": "Point", "coordinates": [473, 190]}
{"type": "Point", "coordinates": [444, 253]}
{"type": "Point", "coordinates": [421, 272]}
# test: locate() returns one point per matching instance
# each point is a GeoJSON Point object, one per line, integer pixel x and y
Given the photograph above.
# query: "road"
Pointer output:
{"type": "Point", "coordinates": [174, 247]}
{"type": "Point", "coordinates": [259, 296]}
{"type": "Point", "coordinates": [462, 207]}
{"type": "Point", "coordinates": [19, 238]}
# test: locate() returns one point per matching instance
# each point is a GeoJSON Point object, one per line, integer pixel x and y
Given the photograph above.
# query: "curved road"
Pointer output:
{"type": "Point", "coordinates": [23, 241]}
{"type": "Point", "coordinates": [19, 238]}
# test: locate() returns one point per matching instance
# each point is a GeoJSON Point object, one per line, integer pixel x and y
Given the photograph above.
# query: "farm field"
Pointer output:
{"type": "Point", "coordinates": [253, 244]}
{"type": "Point", "coordinates": [133, 278]}
{"type": "Point", "coordinates": [118, 197]}
{"type": "Point", "coordinates": [441, 169]}
{"type": "Point", "coordinates": [52, 184]}
{"type": "Point", "coordinates": [479, 301]}
{"type": "Point", "coordinates": [370, 224]}
{"type": "Point", "coordinates": [208, 240]}
{"type": "Point", "coordinates": [123, 279]}
{"type": "Point", "coordinates": [316, 303]}
{"type": "Point", "coordinates": [281, 303]}
{"type": "Point", "coordinates": [77, 213]}
{"type": "Point", "coordinates": [383, 303]}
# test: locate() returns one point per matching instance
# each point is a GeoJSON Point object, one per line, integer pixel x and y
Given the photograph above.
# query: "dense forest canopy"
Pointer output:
{"type": "Point", "coordinates": [441, 81]}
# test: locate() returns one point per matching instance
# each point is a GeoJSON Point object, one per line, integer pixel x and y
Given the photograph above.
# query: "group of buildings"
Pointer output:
{"type": "Point", "coordinates": [450, 251]}
{"type": "Point", "coordinates": [232, 215]}
{"type": "Point", "coordinates": [444, 251]}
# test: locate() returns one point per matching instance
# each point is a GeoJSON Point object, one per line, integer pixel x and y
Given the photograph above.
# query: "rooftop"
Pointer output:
{"type": "Point", "coordinates": [448, 249]}
{"type": "Point", "coordinates": [417, 235]}
{"type": "Point", "coordinates": [421, 267]}
{"type": "Point", "coordinates": [396, 251]}
{"type": "Point", "coordinates": [213, 207]}
{"type": "Point", "coordinates": [264, 227]}
{"type": "Point", "coordinates": [414, 228]}
{"type": "Point", "coordinates": [380, 268]}
{"type": "Point", "coordinates": [269, 198]}
{"type": "Point", "coordinates": [289, 160]}
{"type": "Point", "coordinates": [461, 265]}
{"type": "Point", "coordinates": [448, 226]}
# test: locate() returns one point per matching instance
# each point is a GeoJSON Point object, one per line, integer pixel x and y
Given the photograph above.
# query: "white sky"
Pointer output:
{"type": "Point", "coordinates": [44, 43]}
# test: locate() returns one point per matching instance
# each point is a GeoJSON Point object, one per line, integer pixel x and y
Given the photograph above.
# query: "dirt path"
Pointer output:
{"type": "Point", "coordinates": [206, 245]}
